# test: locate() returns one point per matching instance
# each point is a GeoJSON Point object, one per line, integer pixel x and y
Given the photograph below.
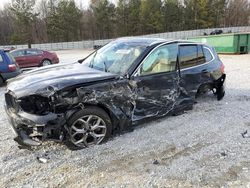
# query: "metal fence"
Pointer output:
{"type": "Point", "coordinates": [90, 43]}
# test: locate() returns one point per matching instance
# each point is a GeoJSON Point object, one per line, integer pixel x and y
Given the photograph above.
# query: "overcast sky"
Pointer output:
{"type": "Point", "coordinates": [83, 2]}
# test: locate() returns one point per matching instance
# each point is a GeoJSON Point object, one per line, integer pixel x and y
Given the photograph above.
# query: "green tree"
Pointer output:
{"type": "Point", "coordinates": [25, 16]}
{"type": "Point", "coordinates": [216, 12]}
{"type": "Point", "coordinates": [134, 21]}
{"type": "Point", "coordinates": [122, 18]}
{"type": "Point", "coordinates": [64, 21]}
{"type": "Point", "coordinates": [196, 14]}
{"type": "Point", "coordinates": [173, 14]}
{"type": "Point", "coordinates": [104, 12]}
{"type": "Point", "coordinates": [151, 16]}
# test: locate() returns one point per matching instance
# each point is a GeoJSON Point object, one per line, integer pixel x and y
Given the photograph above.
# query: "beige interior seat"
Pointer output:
{"type": "Point", "coordinates": [163, 65]}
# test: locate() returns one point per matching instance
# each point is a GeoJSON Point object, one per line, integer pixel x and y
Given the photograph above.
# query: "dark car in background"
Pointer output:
{"type": "Point", "coordinates": [8, 67]}
{"type": "Point", "coordinates": [125, 82]}
{"type": "Point", "coordinates": [34, 57]}
{"type": "Point", "coordinates": [217, 32]}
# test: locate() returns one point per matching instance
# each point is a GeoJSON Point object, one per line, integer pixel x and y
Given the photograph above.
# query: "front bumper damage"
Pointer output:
{"type": "Point", "coordinates": [31, 130]}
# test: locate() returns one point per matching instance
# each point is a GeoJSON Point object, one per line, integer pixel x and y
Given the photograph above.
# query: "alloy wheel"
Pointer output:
{"type": "Point", "coordinates": [46, 63]}
{"type": "Point", "coordinates": [88, 130]}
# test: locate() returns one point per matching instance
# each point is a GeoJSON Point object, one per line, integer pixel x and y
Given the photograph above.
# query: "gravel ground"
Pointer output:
{"type": "Point", "coordinates": [201, 148]}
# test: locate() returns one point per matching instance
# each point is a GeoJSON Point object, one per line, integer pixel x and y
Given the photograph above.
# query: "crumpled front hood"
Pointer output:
{"type": "Point", "coordinates": [55, 76]}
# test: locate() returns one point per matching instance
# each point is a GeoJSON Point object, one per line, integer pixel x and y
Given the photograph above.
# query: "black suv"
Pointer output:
{"type": "Point", "coordinates": [114, 88]}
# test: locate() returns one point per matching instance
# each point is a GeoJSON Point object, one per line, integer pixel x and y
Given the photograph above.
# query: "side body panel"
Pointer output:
{"type": "Point", "coordinates": [4, 63]}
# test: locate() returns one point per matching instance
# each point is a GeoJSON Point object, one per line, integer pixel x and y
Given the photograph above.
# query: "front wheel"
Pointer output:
{"type": "Point", "coordinates": [88, 127]}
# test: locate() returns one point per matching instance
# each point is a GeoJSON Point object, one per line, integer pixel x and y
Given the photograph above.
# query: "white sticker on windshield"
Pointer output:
{"type": "Point", "coordinates": [122, 51]}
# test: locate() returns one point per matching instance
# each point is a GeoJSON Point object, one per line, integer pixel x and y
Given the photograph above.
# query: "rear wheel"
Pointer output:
{"type": "Point", "coordinates": [88, 127]}
{"type": "Point", "coordinates": [46, 62]}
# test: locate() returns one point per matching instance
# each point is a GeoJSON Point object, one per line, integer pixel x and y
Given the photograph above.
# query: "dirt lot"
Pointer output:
{"type": "Point", "coordinates": [201, 148]}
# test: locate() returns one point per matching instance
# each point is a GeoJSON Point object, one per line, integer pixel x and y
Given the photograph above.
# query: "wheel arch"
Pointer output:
{"type": "Point", "coordinates": [44, 59]}
{"type": "Point", "coordinates": [203, 86]}
{"type": "Point", "coordinates": [113, 117]}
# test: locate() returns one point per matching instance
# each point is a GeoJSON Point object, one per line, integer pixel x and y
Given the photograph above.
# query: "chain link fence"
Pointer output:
{"type": "Point", "coordinates": [90, 43]}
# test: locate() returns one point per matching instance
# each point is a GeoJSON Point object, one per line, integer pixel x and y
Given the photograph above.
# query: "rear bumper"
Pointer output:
{"type": "Point", "coordinates": [9, 75]}
{"type": "Point", "coordinates": [220, 85]}
{"type": "Point", "coordinates": [221, 82]}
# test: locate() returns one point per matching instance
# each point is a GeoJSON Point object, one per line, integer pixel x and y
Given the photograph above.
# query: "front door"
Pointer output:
{"type": "Point", "coordinates": [157, 82]}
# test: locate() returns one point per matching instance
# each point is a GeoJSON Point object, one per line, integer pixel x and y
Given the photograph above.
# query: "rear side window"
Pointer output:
{"type": "Point", "coordinates": [1, 58]}
{"type": "Point", "coordinates": [207, 54]}
{"type": "Point", "coordinates": [18, 53]}
{"type": "Point", "coordinates": [33, 52]}
{"type": "Point", "coordinates": [191, 55]}
{"type": "Point", "coordinates": [11, 57]}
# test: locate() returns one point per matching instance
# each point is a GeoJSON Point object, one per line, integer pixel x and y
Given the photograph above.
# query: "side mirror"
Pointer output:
{"type": "Point", "coordinates": [81, 60]}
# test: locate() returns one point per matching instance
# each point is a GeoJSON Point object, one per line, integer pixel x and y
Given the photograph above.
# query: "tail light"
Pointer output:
{"type": "Point", "coordinates": [222, 68]}
{"type": "Point", "coordinates": [12, 67]}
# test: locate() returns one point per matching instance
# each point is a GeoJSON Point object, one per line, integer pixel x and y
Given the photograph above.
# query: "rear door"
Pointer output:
{"type": "Point", "coordinates": [193, 67]}
{"type": "Point", "coordinates": [156, 80]}
{"type": "Point", "coordinates": [33, 57]}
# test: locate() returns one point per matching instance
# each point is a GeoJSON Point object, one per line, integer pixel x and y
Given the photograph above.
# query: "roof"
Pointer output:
{"type": "Point", "coordinates": [151, 41]}
{"type": "Point", "coordinates": [143, 40]}
{"type": "Point", "coordinates": [4, 50]}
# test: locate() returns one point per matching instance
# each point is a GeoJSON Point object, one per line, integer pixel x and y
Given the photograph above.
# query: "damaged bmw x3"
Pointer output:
{"type": "Point", "coordinates": [110, 91]}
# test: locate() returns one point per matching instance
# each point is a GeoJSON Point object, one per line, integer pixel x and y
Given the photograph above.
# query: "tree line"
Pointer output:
{"type": "Point", "coordinates": [30, 21]}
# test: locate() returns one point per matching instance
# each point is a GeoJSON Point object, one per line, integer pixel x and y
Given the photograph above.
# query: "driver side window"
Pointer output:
{"type": "Point", "coordinates": [162, 59]}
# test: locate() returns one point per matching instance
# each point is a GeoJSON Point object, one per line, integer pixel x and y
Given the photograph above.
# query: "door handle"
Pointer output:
{"type": "Point", "coordinates": [205, 71]}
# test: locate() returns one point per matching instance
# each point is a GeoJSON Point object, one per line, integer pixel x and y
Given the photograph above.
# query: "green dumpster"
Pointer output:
{"type": "Point", "coordinates": [238, 43]}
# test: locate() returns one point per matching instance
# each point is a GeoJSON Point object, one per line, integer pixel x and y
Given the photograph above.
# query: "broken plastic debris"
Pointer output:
{"type": "Point", "coordinates": [223, 154]}
{"type": "Point", "coordinates": [42, 160]}
{"type": "Point", "coordinates": [156, 162]}
{"type": "Point", "coordinates": [245, 134]}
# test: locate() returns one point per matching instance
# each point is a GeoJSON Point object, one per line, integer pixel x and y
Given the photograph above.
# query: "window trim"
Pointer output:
{"type": "Point", "coordinates": [204, 55]}
{"type": "Point", "coordinates": [136, 74]}
{"type": "Point", "coordinates": [210, 51]}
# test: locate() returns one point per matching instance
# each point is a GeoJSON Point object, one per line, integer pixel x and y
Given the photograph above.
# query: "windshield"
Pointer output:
{"type": "Point", "coordinates": [115, 57]}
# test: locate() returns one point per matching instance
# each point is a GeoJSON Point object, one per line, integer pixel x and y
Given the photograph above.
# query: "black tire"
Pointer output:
{"type": "Point", "coordinates": [97, 114]}
{"type": "Point", "coordinates": [1, 81]}
{"type": "Point", "coordinates": [46, 62]}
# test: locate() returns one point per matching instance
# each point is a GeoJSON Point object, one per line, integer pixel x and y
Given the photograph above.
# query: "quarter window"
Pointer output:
{"type": "Point", "coordinates": [1, 58]}
{"type": "Point", "coordinates": [207, 54]}
{"type": "Point", "coordinates": [163, 59]}
{"type": "Point", "coordinates": [191, 55]}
